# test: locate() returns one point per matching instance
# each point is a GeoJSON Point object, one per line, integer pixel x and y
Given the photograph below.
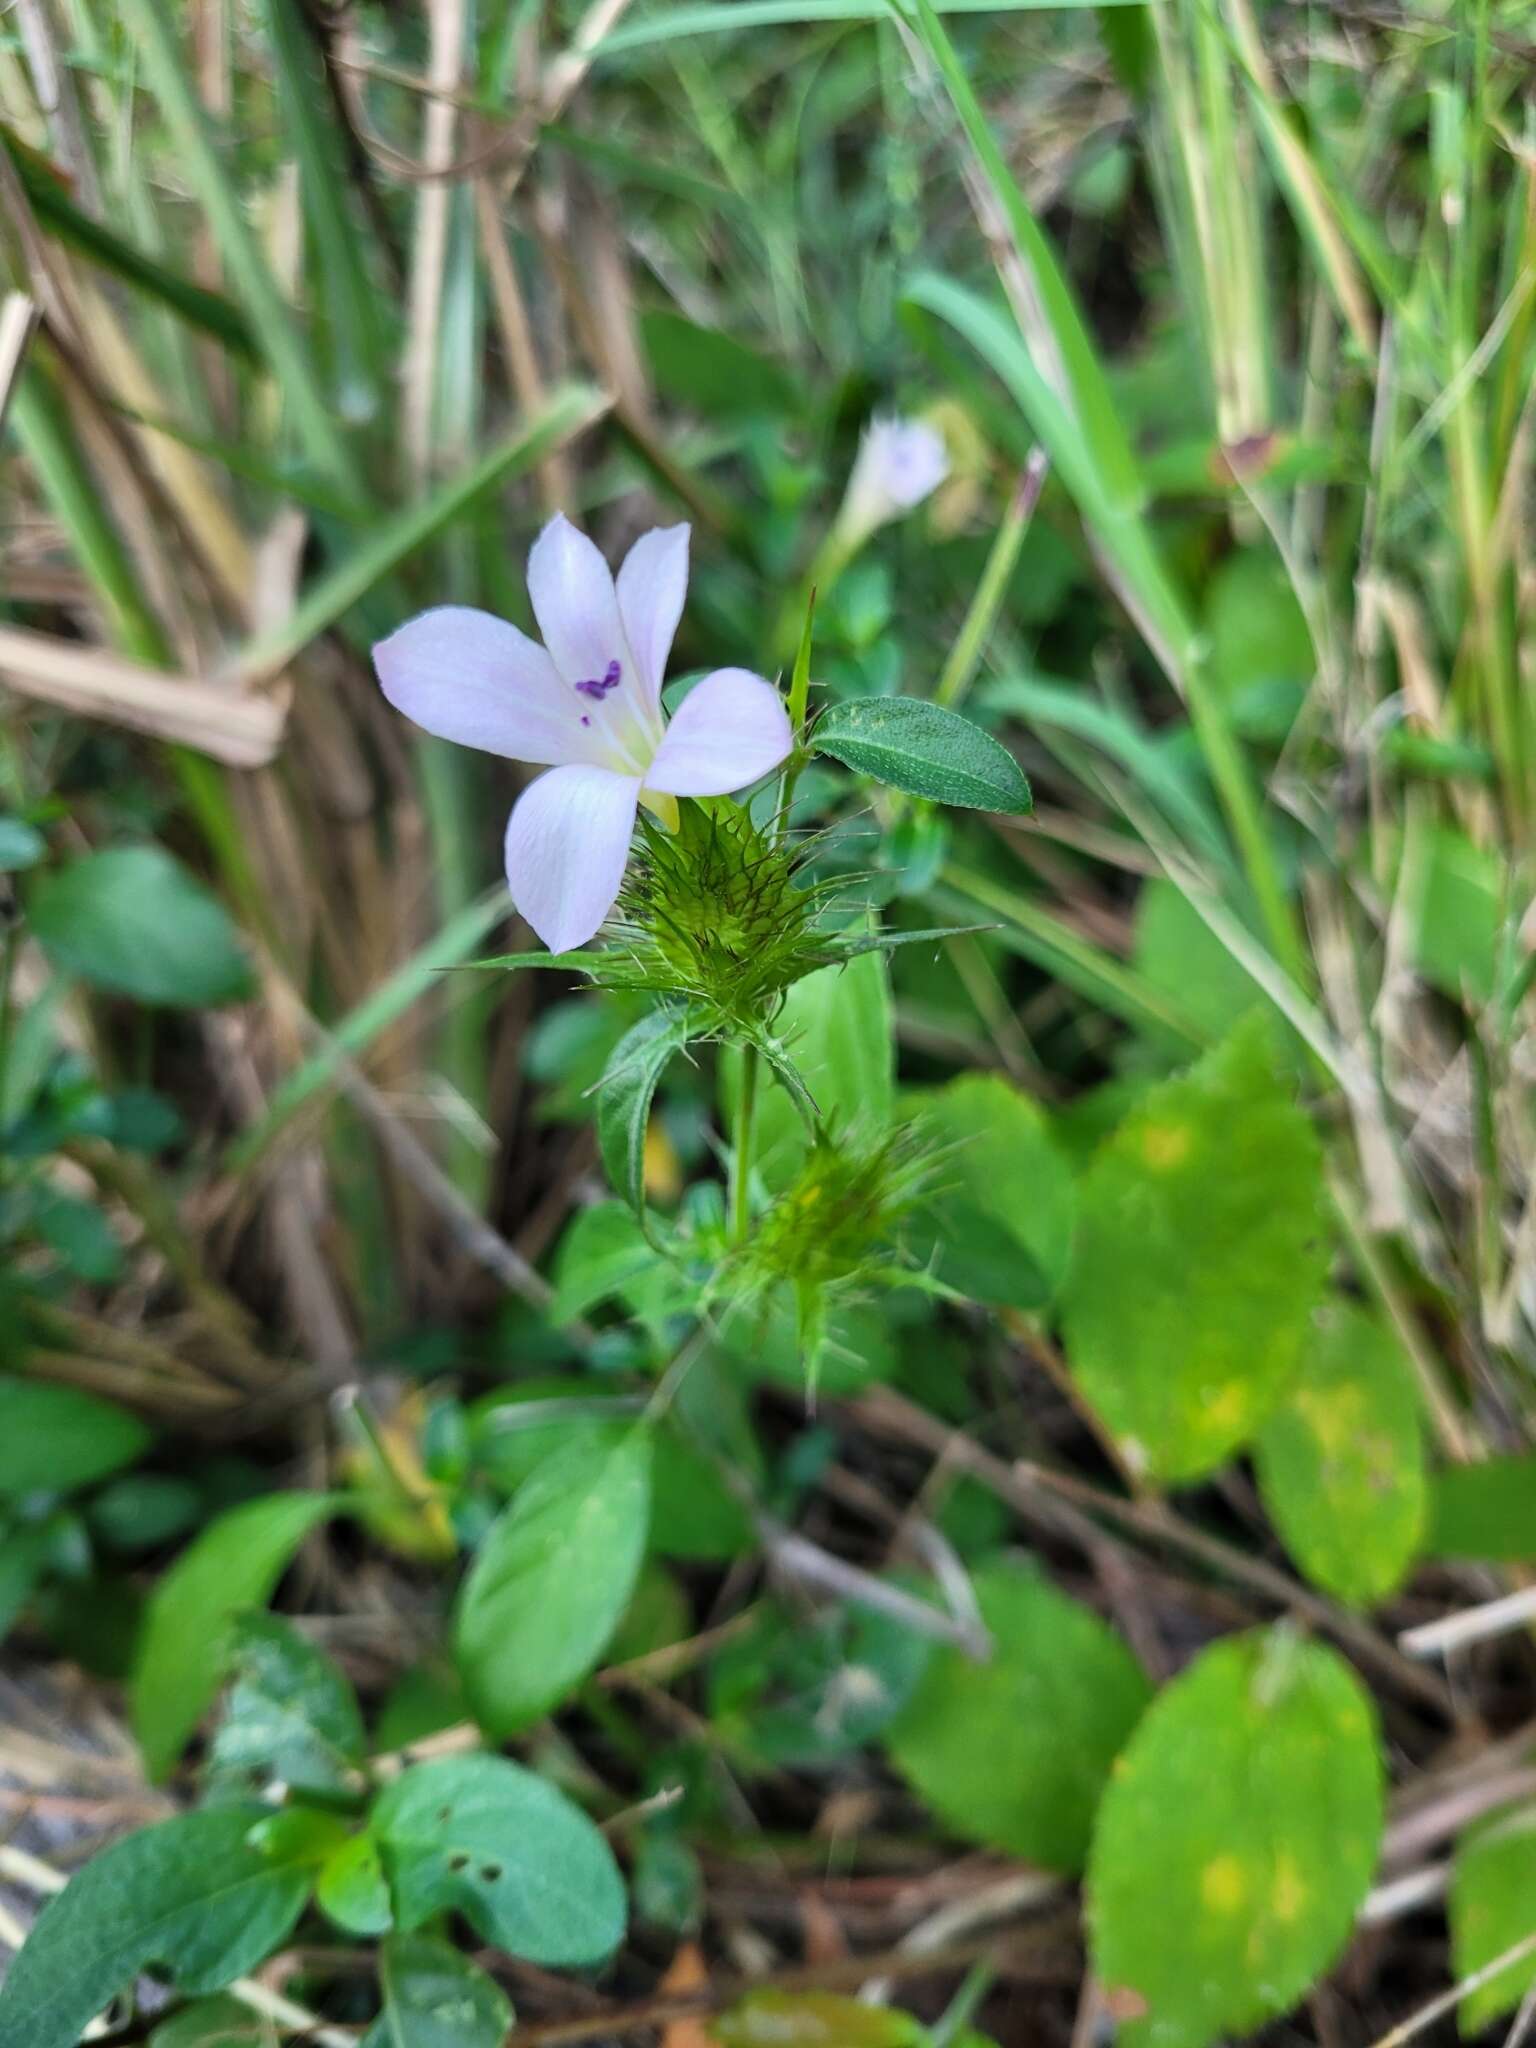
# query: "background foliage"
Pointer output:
{"type": "Point", "coordinates": [496, 1515]}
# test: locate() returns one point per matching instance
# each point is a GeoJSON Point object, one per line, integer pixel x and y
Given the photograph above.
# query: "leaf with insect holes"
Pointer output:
{"type": "Point", "coordinates": [1341, 1461]}
{"type": "Point", "coordinates": [189, 1893]}
{"type": "Point", "coordinates": [1198, 1259]}
{"type": "Point", "coordinates": [480, 1836]}
{"type": "Point", "coordinates": [625, 1094]}
{"type": "Point", "coordinates": [1015, 1751]}
{"type": "Point", "coordinates": [925, 750]}
{"type": "Point", "coordinates": [552, 1579]}
{"type": "Point", "coordinates": [436, 1998]}
{"type": "Point", "coordinates": [1235, 1842]}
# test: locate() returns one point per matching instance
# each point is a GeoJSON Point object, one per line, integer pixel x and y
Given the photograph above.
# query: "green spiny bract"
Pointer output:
{"type": "Point", "coordinates": [717, 914]}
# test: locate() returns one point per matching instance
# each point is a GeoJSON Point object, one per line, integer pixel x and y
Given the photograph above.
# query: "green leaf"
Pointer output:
{"type": "Point", "coordinates": [133, 921]}
{"type": "Point", "coordinates": [925, 750]}
{"type": "Point", "coordinates": [1456, 895]}
{"type": "Point", "coordinates": [1198, 1261]}
{"type": "Point", "coordinates": [1236, 1840]}
{"type": "Point", "coordinates": [601, 1255]}
{"type": "Point", "coordinates": [290, 1713]}
{"type": "Point", "coordinates": [436, 1998]}
{"type": "Point", "coordinates": [213, 2023]}
{"type": "Point", "coordinates": [190, 1894]}
{"type": "Point", "coordinates": [1493, 1882]}
{"type": "Point", "coordinates": [25, 1553]}
{"type": "Point", "coordinates": [482, 1837]}
{"type": "Point", "coordinates": [552, 1579]}
{"type": "Point", "coordinates": [709, 371]}
{"type": "Point", "coordinates": [1015, 1752]}
{"type": "Point", "coordinates": [352, 1888]}
{"type": "Point", "coordinates": [1341, 1461]}
{"type": "Point", "coordinates": [55, 1439]}
{"type": "Point", "coordinates": [235, 1563]}
{"type": "Point", "coordinates": [837, 1028]}
{"type": "Point", "coordinates": [1001, 1215]}
{"type": "Point", "coordinates": [624, 1097]}
{"type": "Point", "coordinates": [813, 2019]}
{"type": "Point", "coordinates": [1178, 954]}
{"type": "Point", "coordinates": [1486, 1512]}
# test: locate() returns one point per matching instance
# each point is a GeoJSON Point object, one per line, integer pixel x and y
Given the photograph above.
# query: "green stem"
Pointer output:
{"type": "Point", "coordinates": [741, 1156]}
{"type": "Point", "coordinates": [971, 641]}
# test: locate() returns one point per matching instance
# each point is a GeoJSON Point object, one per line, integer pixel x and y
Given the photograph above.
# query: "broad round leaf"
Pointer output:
{"type": "Point", "coordinates": [1198, 1260]}
{"type": "Point", "coordinates": [1341, 1461]}
{"type": "Point", "coordinates": [1235, 1842]}
{"type": "Point", "coordinates": [234, 1564]}
{"type": "Point", "coordinates": [1015, 1752]}
{"type": "Point", "coordinates": [190, 1893]}
{"type": "Point", "coordinates": [132, 920]}
{"type": "Point", "coordinates": [925, 750]}
{"type": "Point", "coordinates": [552, 1579]}
{"type": "Point", "coordinates": [290, 1713]}
{"type": "Point", "coordinates": [480, 1836]}
{"type": "Point", "coordinates": [54, 1439]}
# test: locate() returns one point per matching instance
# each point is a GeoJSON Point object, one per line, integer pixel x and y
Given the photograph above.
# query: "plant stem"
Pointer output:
{"type": "Point", "coordinates": [741, 1156]}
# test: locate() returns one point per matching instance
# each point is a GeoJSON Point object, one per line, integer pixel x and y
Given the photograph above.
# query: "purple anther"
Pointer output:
{"type": "Point", "coordinates": [599, 686]}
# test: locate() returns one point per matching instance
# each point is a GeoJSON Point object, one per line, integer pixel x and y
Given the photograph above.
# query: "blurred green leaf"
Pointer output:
{"type": "Point", "coordinates": [1001, 1214]}
{"type": "Point", "coordinates": [436, 1998]}
{"type": "Point", "coordinates": [1236, 1840]}
{"type": "Point", "coordinates": [1493, 1881]}
{"type": "Point", "coordinates": [55, 1439]}
{"type": "Point", "coordinates": [1484, 1512]}
{"type": "Point", "coordinates": [552, 1579]}
{"type": "Point", "coordinates": [235, 1563]}
{"type": "Point", "coordinates": [133, 921]}
{"type": "Point", "coordinates": [190, 1894]}
{"type": "Point", "coordinates": [1198, 1261]}
{"type": "Point", "coordinates": [813, 2019]}
{"type": "Point", "coordinates": [480, 1836]}
{"type": "Point", "coordinates": [289, 1713]}
{"type": "Point", "coordinates": [213, 2023]}
{"type": "Point", "coordinates": [1015, 1751]}
{"type": "Point", "coordinates": [352, 1888]}
{"type": "Point", "coordinates": [924, 749]}
{"type": "Point", "coordinates": [711, 372]}
{"type": "Point", "coordinates": [1341, 1461]}
{"type": "Point", "coordinates": [21, 845]}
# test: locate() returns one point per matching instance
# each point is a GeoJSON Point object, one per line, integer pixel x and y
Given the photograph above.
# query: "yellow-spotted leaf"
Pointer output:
{"type": "Point", "coordinates": [1198, 1260]}
{"type": "Point", "coordinates": [1015, 1751]}
{"type": "Point", "coordinates": [1237, 1838]}
{"type": "Point", "coordinates": [1341, 1461]}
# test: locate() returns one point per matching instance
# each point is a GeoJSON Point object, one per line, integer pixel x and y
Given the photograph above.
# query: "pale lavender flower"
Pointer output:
{"type": "Point", "coordinates": [587, 705]}
{"type": "Point", "coordinates": [899, 463]}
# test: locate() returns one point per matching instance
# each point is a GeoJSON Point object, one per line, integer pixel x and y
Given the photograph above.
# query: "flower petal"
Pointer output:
{"type": "Point", "coordinates": [474, 679]}
{"type": "Point", "coordinates": [729, 730]}
{"type": "Point", "coordinates": [567, 843]}
{"type": "Point", "coordinates": [652, 583]}
{"type": "Point", "coordinates": [571, 590]}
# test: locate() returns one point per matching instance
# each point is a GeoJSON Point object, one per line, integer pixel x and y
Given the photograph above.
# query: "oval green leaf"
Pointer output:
{"type": "Point", "coordinates": [925, 750]}
{"type": "Point", "coordinates": [234, 1564]}
{"type": "Point", "coordinates": [1493, 1883]}
{"type": "Point", "coordinates": [133, 921]}
{"type": "Point", "coordinates": [1015, 1752]}
{"type": "Point", "coordinates": [1341, 1461]}
{"type": "Point", "coordinates": [1235, 1842]}
{"type": "Point", "coordinates": [480, 1836]}
{"type": "Point", "coordinates": [54, 1439]}
{"type": "Point", "coordinates": [552, 1579]}
{"type": "Point", "coordinates": [1198, 1260]}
